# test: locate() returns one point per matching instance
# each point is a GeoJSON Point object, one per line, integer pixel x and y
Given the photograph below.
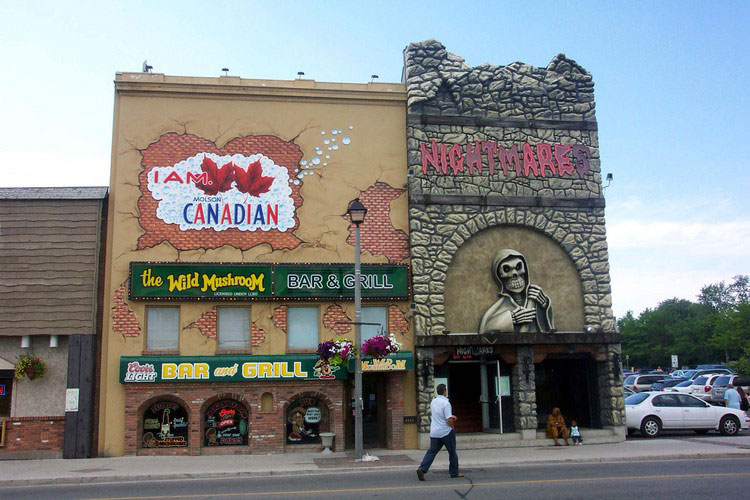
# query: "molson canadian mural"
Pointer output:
{"type": "Point", "coordinates": [228, 216]}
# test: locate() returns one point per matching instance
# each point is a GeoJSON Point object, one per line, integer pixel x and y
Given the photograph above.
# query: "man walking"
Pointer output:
{"type": "Point", "coordinates": [441, 433]}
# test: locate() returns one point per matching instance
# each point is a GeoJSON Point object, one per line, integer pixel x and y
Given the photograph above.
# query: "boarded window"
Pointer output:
{"type": "Point", "coordinates": [374, 314]}
{"type": "Point", "coordinates": [303, 327]}
{"type": "Point", "coordinates": [234, 327]}
{"type": "Point", "coordinates": [163, 328]}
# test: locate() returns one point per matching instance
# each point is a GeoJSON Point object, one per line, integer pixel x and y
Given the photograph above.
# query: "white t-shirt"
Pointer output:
{"type": "Point", "coordinates": [441, 410]}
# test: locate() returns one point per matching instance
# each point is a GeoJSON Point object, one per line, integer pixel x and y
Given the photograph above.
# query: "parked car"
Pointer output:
{"type": "Point", "coordinates": [641, 383]}
{"type": "Point", "coordinates": [692, 374]}
{"type": "Point", "coordinates": [701, 387]}
{"type": "Point", "coordinates": [651, 412]}
{"type": "Point", "coordinates": [678, 374]}
{"type": "Point", "coordinates": [666, 384]}
{"type": "Point", "coordinates": [683, 387]}
{"type": "Point", "coordinates": [712, 367]}
{"type": "Point", "coordinates": [721, 383]}
{"type": "Point", "coordinates": [628, 391]}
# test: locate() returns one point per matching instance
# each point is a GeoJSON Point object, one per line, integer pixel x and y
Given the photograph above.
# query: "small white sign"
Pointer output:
{"type": "Point", "coordinates": [71, 399]}
{"type": "Point", "coordinates": [675, 361]}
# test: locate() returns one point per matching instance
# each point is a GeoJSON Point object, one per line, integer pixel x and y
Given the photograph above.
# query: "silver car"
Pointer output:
{"type": "Point", "coordinates": [720, 386]}
{"type": "Point", "coordinates": [701, 387]}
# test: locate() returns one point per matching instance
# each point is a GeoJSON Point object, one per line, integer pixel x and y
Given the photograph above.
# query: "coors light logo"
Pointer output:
{"type": "Point", "coordinates": [140, 372]}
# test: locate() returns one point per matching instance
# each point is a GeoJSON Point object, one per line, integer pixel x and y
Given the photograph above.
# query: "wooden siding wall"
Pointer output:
{"type": "Point", "coordinates": [48, 264]}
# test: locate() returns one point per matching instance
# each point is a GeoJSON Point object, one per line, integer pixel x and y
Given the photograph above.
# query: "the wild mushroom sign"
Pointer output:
{"type": "Point", "coordinates": [208, 191]}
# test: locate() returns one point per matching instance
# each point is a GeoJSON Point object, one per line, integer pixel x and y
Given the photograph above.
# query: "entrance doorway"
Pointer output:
{"type": "Point", "coordinates": [373, 412]}
{"type": "Point", "coordinates": [567, 383]}
{"type": "Point", "coordinates": [497, 400]}
{"type": "Point", "coordinates": [464, 392]}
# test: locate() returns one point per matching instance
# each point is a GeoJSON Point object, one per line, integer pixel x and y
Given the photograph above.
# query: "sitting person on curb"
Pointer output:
{"type": "Point", "coordinates": [556, 427]}
{"type": "Point", "coordinates": [575, 434]}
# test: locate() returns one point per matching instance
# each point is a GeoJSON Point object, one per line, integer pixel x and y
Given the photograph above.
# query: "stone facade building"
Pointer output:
{"type": "Point", "coordinates": [507, 157]}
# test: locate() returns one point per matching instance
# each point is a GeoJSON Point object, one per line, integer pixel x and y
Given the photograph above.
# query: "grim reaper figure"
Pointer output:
{"type": "Point", "coordinates": [521, 306]}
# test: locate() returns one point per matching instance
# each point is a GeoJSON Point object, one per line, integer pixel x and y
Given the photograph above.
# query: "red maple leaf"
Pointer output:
{"type": "Point", "coordinates": [218, 179]}
{"type": "Point", "coordinates": [252, 181]}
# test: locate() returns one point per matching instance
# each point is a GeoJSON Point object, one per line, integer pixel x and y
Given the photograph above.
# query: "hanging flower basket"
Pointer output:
{"type": "Point", "coordinates": [336, 351]}
{"type": "Point", "coordinates": [30, 366]}
{"type": "Point", "coordinates": [380, 346]}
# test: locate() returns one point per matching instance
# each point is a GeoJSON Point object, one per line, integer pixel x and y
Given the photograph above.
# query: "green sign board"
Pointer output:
{"type": "Point", "coordinates": [199, 281]}
{"type": "Point", "coordinates": [239, 281]}
{"type": "Point", "coordinates": [337, 281]}
{"type": "Point", "coordinates": [178, 369]}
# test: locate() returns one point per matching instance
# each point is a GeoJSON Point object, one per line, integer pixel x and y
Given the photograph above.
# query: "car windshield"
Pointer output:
{"type": "Point", "coordinates": [722, 381]}
{"type": "Point", "coordinates": [690, 373]}
{"type": "Point", "coordinates": [636, 398]}
{"type": "Point", "coordinates": [630, 379]}
{"type": "Point", "coordinates": [700, 381]}
{"type": "Point", "coordinates": [685, 383]}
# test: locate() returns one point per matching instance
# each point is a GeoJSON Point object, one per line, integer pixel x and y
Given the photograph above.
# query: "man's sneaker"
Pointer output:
{"type": "Point", "coordinates": [460, 474]}
{"type": "Point", "coordinates": [420, 474]}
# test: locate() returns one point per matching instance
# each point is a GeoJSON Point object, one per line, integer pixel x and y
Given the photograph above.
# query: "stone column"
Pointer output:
{"type": "Point", "coordinates": [425, 371]}
{"type": "Point", "coordinates": [610, 388]}
{"type": "Point", "coordinates": [524, 393]}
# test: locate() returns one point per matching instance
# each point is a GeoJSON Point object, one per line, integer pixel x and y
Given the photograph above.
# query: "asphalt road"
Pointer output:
{"type": "Point", "coordinates": [708, 478]}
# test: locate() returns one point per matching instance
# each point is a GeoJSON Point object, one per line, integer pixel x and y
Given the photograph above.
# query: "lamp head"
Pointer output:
{"type": "Point", "coordinates": [357, 212]}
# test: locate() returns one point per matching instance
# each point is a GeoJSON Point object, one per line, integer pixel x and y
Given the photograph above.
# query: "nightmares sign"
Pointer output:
{"type": "Point", "coordinates": [209, 191]}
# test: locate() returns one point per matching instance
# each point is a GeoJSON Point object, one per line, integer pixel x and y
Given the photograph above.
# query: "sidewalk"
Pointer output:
{"type": "Point", "coordinates": [22, 472]}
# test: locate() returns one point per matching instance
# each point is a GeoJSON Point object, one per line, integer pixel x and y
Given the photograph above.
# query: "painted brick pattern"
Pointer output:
{"type": "Point", "coordinates": [207, 324]}
{"type": "Point", "coordinates": [257, 335]}
{"type": "Point", "coordinates": [267, 429]}
{"type": "Point", "coordinates": [394, 411]}
{"type": "Point", "coordinates": [34, 434]}
{"type": "Point", "coordinates": [397, 321]}
{"type": "Point", "coordinates": [334, 313]}
{"type": "Point", "coordinates": [378, 236]}
{"type": "Point", "coordinates": [172, 148]}
{"type": "Point", "coordinates": [280, 317]}
{"type": "Point", "coordinates": [124, 321]}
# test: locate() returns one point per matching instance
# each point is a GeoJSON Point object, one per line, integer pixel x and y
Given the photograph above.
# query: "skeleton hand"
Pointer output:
{"type": "Point", "coordinates": [523, 315]}
{"type": "Point", "coordinates": [537, 294]}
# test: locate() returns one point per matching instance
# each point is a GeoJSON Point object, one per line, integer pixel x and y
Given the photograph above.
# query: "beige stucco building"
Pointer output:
{"type": "Point", "coordinates": [229, 254]}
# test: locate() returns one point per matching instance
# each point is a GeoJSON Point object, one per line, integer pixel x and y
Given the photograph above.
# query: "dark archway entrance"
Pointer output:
{"type": "Point", "coordinates": [569, 383]}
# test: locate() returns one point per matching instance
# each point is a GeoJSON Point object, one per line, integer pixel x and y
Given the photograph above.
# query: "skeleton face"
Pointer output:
{"type": "Point", "coordinates": [512, 273]}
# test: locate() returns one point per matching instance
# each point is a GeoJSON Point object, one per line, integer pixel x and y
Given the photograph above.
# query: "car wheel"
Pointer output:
{"type": "Point", "coordinates": [651, 427]}
{"type": "Point", "coordinates": [729, 425]}
{"type": "Point", "coordinates": [701, 431]}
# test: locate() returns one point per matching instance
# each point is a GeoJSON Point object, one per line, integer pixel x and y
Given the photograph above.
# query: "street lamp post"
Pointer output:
{"type": "Point", "coordinates": [357, 213]}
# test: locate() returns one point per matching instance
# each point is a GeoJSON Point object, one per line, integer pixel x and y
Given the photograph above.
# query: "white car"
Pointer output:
{"type": "Point", "coordinates": [701, 387]}
{"type": "Point", "coordinates": [652, 412]}
{"type": "Point", "coordinates": [683, 387]}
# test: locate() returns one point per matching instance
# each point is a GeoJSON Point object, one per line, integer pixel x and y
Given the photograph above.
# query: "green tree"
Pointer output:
{"type": "Point", "coordinates": [728, 304]}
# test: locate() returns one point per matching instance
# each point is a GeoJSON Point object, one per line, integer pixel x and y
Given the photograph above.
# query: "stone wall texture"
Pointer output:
{"type": "Point", "coordinates": [457, 119]}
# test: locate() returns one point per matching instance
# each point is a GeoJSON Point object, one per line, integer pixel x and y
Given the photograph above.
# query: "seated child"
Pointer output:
{"type": "Point", "coordinates": [575, 434]}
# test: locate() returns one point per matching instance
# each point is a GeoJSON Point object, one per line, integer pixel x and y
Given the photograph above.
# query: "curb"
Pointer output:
{"type": "Point", "coordinates": [320, 472]}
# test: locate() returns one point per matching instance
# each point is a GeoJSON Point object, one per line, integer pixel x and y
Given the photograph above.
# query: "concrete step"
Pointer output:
{"type": "Point", "coordinates": [486, 440]}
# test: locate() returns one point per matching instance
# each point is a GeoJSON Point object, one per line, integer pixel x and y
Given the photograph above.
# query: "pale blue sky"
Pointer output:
{"type": "Point", "coordinates": [671, 89]}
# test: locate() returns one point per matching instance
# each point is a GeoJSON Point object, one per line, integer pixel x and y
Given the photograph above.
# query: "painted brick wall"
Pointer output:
{"type": "Point", "coordinates": [267, 429]}
{"type": "Point", "coordinates": [332, 316]}
{"type": "Point", "coordinates": [124, 321]}
{"type": "Point", "coordinates": [32, 434]}
{"type": "Point", "coordinates": [172, 148]}
{"type": "Point", "coordinates": [378, 236]}
{"type": "Point", "coordinates": [279, 318]}
{"type": "Point", "coordinates": [394, 410]}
